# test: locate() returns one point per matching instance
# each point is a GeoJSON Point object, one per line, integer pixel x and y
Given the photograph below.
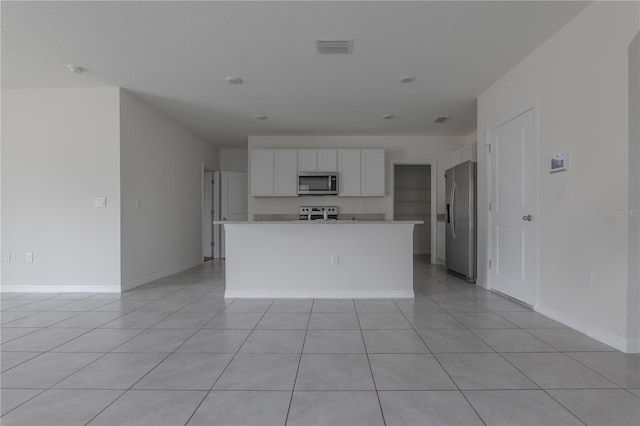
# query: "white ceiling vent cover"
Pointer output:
{"type": "Point", "coordinates": [327, 46]}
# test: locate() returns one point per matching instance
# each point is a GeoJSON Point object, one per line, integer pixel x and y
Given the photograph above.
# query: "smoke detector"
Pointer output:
{"type": "Point", "coordinates": [332, 46]}
{"type": "Point", "coordinates": [441, 119]}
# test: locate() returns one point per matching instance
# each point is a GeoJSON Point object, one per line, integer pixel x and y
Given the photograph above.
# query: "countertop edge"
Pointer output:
{"type": "Point", "coordinates": [320, 222]}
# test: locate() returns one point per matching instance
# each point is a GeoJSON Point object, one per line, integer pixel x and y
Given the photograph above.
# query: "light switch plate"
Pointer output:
{"type": "Point", "coordinates": [101, 202]}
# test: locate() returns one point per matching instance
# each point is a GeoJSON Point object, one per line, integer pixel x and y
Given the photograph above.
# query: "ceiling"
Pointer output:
{"type": "Point", "coordinates": [176, 56]}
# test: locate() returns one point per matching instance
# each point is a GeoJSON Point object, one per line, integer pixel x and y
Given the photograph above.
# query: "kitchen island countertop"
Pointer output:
{"type": "Point", "coordinates": [319, 222]}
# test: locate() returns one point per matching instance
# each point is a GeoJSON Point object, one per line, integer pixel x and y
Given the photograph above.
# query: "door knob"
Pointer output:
{"type": "Point", "coordinates": [527, 218]}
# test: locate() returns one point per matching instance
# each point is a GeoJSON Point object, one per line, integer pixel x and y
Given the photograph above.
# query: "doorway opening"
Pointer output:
{"type": "Point", "coordinates": [208, 211]}
{"type": "Point", "coordinates": [412, 197]}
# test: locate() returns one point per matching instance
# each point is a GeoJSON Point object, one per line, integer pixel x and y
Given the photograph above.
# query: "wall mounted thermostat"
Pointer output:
{"type": "Point", "coordinates": [559, 163]}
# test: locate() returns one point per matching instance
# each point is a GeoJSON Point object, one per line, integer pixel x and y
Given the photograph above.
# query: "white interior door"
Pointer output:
{"type": "Point", "coordinates": [513, 224]}
{"type": "Point", "coordinates": [207, 215]}
{"type": "Point", "coordinates": [233, 199]}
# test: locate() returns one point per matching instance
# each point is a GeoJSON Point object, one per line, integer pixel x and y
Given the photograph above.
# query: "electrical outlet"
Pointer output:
{"type": "Point", "coordinates": [29, 257]}
{"type": "Point", "coordinates": [588, 278]}
{"type": "Point", "coordinates": [172, 247]}
{"type": "Point", "coordinates": [7, 257]}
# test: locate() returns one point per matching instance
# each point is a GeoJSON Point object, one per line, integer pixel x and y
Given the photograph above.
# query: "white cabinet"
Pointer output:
{"type": "Point", "coordinates": [286, 172]}
{"type": "Point", "coordinates": [361, 172]}
{"type": "Point", "coordinates": [372, 172]}
{"type": "Point", "coordinates": [262, 173]}
{"type": "Point", "coordinates": [349, 168]}
{"type": "Point", "coordinates": [318, 160]}
{"type": "Point", "coordinates": [327, 160]}
{"type": "Point", "coordinates": [466, 153]}
{"type": "Point", "coordinates": [274, 172]}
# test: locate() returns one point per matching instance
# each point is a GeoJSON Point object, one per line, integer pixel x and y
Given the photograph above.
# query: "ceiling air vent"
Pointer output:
{"type": "Point", "coordinates": [334, 46]}
{"type": "Point", "coordinates": [441, 119]}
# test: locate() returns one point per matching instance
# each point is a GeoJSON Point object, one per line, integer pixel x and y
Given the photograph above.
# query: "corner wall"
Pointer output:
{"type": "Point", "coordinates": [161, 184]}
{"type": "Point", "coordinates": [60, 150]}
{"type": "Point", "coordinates": [578, 80]}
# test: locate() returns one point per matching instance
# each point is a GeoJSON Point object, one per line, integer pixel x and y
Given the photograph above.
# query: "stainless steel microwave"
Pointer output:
{"type": "Point", "coordinates": [317, 183]}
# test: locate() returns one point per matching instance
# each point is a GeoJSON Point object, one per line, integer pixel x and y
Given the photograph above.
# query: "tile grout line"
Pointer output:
{"type": "Point", "coordinates": [444, 369]}
{"type": "Point", "coordinates": [230, 360]}
{"type": "Point", "coordinates": [366, 350]}
{"type": "Point", "coordinates": [295, 380]}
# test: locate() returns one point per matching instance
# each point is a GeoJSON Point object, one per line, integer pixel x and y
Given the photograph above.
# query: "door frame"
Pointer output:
{"type": "Point", "coordinates": [535, 108]}
{"type": "Point", "coordinates": [434, 198]}
{"type": "Point", "coordinates": [204, 169]}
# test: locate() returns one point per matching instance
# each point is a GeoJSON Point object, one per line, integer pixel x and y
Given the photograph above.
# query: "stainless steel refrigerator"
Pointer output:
{"type": "Point", "coordinates": [461, 220]}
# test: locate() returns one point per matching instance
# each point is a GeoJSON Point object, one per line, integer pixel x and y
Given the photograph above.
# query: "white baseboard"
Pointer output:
{"type": "Point", "coordinates": [60, 289]}
{"type": "Point", "coordinates": [594, 332]}
{"type": "Point", "coordinates": [129, 285]}
{"type": "Point", "coordinates": [319, 294]}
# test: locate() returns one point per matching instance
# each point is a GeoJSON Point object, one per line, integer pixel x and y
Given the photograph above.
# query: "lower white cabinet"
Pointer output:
{"type": "Point", "coordinates": [361, 172]}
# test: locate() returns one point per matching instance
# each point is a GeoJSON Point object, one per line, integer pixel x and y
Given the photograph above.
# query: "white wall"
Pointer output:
{"type": "Point", "coordinates": [578, 80]}
{"type": "Point", "coordinates": [161, 176]}
{"type": "Point", "coordinates": [633, 292]}
{"type": "Point", "coordinates": [60, 150]}
{"type": "Point", "coordinates": [398, 149]}
{"type": "Point", "coordinates": [234, 160]}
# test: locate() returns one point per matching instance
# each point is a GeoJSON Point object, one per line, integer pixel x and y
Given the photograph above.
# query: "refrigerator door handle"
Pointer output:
{"type": "Point", "coordinates": [452, 213]}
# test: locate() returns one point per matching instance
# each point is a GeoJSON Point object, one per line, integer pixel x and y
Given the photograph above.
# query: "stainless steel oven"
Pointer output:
{"type": "Point", "coordinates": [317, 183]}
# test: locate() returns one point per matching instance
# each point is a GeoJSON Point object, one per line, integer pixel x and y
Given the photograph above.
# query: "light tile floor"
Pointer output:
{"type": "Point", "coordinates": [175, 352]}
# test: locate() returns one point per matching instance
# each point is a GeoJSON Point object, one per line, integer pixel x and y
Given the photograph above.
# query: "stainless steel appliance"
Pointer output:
{"type": "Point", "coordinates": [461, 220]}
{"type": "Point", "coordinates": [317, 183]}
{"type": "Point", "coordinates": [318, 213]}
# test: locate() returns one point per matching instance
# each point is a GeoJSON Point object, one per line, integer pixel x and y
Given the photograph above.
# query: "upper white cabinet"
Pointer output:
{"type": "Point", "coordinates": [349, 168]}
{"type": "Point", "coordinates": [466, 153]}
{"type": "Point", "coordinates": [286, 172]}
{"type": "Point", "coordinates": [274, 172]}
{"type": "Point", "coordinates": [262, 173]}
{"type": "Point", "coordinates": [318, 160]}
{"type": "Point", "coordinates": [361, 172]}
{"type": "Point", "coordinates": [372, 172]}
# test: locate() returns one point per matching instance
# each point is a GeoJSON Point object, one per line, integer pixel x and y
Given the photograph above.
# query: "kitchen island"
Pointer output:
{"type": "Point", "coordinates": [319, 259]}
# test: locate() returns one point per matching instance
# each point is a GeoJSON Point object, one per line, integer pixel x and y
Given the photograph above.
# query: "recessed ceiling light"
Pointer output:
{"type": "Point", "coordinates": [406, 79]}
{"type": "Point", "coordinates": [441, 119]}
{"type": "Point", "coordinates": [261, 117]}
{"type": "Point", "coordinates": [234, 80]}
{"type": "Point", "coordinates": [75, 68]}
{"type": "Point", "coordinates": [387, 117]}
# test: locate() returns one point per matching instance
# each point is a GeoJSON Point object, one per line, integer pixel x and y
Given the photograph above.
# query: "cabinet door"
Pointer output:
{"type": "Point", "coordinates": [307, 160]}
{"type": "Point", "coordinates": [372, 169]}
{"type": "Point", "coordinates": [349, 168]}
{"type": "Point", "coordinates": [327, 160]}
{"type": "Point", "coordinates": [286, 172]}
{"type": "Point", "coordinates": [262, 173]}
